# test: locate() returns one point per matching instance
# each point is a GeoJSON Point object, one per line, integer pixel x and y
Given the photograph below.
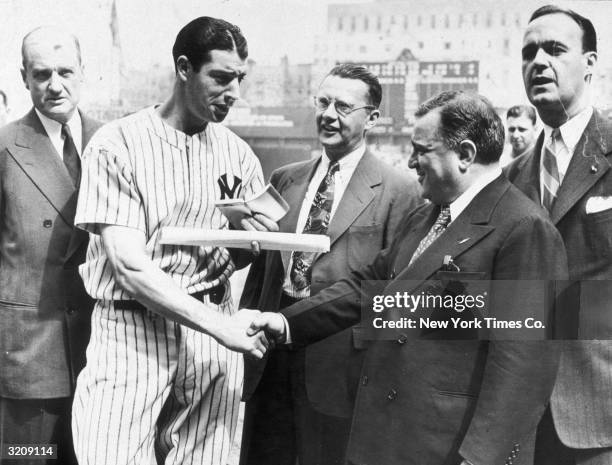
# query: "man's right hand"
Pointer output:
{"type": "Point", "coordinates": [273, 324]}
{"type": "Point", "coordinates": [236, 334]}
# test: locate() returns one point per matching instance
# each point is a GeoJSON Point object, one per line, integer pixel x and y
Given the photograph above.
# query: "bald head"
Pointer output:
{"type": "Point", "coordinates": [52, 71]}
{"type": "Point", "coordinates": [51, 36]}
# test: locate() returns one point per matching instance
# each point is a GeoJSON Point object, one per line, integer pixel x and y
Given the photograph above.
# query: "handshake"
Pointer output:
{"type": "Point", "coordinates": [253, 332]}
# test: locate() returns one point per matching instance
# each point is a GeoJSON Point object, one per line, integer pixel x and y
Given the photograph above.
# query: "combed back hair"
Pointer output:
{"type": "Point", "coordinates": [361, 73]}
{"type": "Point", "coordinates": [467, 116]}
{"type": "Point", "coordinates": [35, 31]}
{"type": "Point", "coordinates": [517, 110]}
{"type": "Point", "coordinates": [589, 36]}
{"type": "Point", "coordinates": [202, 35]}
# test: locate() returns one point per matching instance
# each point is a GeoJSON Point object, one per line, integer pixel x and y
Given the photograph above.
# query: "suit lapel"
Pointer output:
{"type": "Point", "coordinates": [294, 194]}
{"type": "Point", "coordinates": [528, 177]}
{"type": "Point", "coordinates": [37, 157]}
{"type": "Point", "coordinates": [356, 197]}
{"type": "Point", "coordinates": [587, 166]}
{"type": "Point", "coordinates": [472, 225]}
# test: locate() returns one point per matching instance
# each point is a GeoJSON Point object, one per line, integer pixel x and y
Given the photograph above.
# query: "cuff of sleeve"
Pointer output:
{"type": "Point", "coordinates": [287, 330]}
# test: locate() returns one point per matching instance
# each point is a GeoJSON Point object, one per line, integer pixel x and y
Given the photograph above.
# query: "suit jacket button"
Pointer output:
{"type": "Point", "coordinates": [392, 275]}
{"type": "Point", "coordinates": [47, 223]}
{"type": "Point", "coordinates": [364, 380]}
{"type": "Point", "coordinates": [392, 394]}
{"type": "Point", "coordinates": [402, 339]}
{"type": "Point", "coordinates": [70, 310]}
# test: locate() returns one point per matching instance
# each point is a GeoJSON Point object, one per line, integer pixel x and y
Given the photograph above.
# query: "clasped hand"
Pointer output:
{"type": "Point", "coordinates": [252, 332]}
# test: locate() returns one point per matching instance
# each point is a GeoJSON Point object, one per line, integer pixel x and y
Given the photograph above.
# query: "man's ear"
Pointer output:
{"type": "Point", "coordinates": [591, 61]}
{"type": "Point", "coordinates": [372, 119]}
{"type": "Point", "coordinates": [23, 77]}
{"type": "Point", "coordinates": [467, 153]}
{"type": "Point", "coordinates": [183, 67]}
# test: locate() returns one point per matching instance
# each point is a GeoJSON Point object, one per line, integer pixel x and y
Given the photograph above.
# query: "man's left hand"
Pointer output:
{"type": "Point", "coordinates": [258, 222]}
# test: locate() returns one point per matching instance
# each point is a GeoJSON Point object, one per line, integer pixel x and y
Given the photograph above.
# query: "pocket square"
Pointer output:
{"type": "Point", "coordinates": [597, 204]}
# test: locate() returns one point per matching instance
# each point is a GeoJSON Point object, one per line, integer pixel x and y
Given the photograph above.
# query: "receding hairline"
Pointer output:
{"type": "Point", "coordinates": [57, 35]}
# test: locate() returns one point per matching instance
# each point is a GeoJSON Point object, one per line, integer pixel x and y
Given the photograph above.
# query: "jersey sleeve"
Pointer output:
{"type": "Point", "coordinates": [108, 193]}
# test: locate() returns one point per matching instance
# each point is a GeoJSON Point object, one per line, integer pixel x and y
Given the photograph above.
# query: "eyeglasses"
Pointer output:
{"type": "Point", "coordinates": [343, 109]}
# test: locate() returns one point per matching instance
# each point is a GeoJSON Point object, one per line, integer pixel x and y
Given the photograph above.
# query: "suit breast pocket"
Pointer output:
{"type": "Point", "coordinates": [364, 242]}
{"type": "Point", "coordinates": [599, 230]}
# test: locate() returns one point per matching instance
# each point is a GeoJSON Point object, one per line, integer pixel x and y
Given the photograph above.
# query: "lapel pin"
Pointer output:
{"type": "Point", "coordinates": [594, 168]}
{"type": "Point", "coordinates": [462, 241]}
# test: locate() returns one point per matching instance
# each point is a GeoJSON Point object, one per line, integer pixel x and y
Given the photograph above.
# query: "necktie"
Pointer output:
{"type": "Point", "coordinates": [316, 223]}
{"type": "Point", "coordinates": [71, 156]}
{"type": "Point", "coordinates": [436, 230]}
{"type": "Point", "coordinates": [550, 171]}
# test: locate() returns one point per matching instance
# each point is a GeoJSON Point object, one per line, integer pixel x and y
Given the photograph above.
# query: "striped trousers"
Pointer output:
{"type": "Point", "coordinates": [154, 392]}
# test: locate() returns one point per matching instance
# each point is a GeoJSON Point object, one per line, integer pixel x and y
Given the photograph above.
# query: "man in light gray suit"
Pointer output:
{"type": "Point", "coordinates": [569, 173]}
{"type": "Point", "coordinates": [301, 404]}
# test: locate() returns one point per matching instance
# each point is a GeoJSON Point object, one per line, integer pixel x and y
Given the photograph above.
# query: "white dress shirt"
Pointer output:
{"type": "Point", "coordinates": [54, 131]}
{"type": "Point", "coordinates": [571, 132]}
{"type": "Point", "coordinates": [461, 202]}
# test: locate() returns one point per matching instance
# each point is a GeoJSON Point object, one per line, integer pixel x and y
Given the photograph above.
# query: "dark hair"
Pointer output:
{"type": "Point", "coordinates": [518, 110]}
{"type": "Point", "coordinates": [200, 36]}
{"type": "Point", "coordinates": [350, 71]}
{"type": "Point", "coordinates": [467, 116]}
{"type": "Point", "coordinates": [589, 36]}
{"type": "Point", "coordinates": [4, 99]}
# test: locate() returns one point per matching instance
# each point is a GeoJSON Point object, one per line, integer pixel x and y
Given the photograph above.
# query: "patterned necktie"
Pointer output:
{"type": "Point", "coordinates": [550, 172]}
{"type": "Point", "coordinates": [71, 156]}
{"type": "Point", "coordinates": [316, 223]}
{"type": "Point", "coordinates": [436, 230]}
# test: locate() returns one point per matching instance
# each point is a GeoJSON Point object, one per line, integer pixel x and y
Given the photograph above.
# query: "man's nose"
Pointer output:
{"type": "Point", "coordinates": [412, 161]}
{"type": "Point", "coordinates": [541, 58]}
{"type": "Point", "coordinates": [233, 91]}
{"type": "Point", "coordinates": [55, 83]}
{"type": "Point", "coordinates": [330, 112]}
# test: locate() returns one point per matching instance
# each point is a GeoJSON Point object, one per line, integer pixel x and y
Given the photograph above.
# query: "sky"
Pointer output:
{"type": "Point", "coordinates": [148, 29]}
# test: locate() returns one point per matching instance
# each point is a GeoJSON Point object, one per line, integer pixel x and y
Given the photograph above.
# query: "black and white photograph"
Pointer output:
{"type": "Point", "coordinates": [289, 232]}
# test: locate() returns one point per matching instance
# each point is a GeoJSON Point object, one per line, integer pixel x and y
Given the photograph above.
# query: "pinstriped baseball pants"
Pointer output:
{"type": "Point", "coordinates": [154, 392]}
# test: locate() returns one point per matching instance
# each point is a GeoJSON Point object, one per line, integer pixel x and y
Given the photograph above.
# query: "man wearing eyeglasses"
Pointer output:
{"type": "Point", "coordinates": [300, 403]}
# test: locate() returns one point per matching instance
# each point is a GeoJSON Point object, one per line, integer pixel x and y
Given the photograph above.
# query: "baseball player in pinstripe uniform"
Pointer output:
{"type": "Point", "coordinates": [161, 384]}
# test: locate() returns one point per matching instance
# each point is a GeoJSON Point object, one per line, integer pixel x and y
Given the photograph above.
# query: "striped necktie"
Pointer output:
{"type": "Point", "coordinates": [550, 172]}
{"type": "Point", "coordinates": [436, 230]}
{"type": "Point", "coordinates": [316, 223]}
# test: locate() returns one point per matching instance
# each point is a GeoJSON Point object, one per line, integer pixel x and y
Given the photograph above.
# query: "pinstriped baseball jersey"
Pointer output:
{"type": "Point", "coordinates": [141, 173]}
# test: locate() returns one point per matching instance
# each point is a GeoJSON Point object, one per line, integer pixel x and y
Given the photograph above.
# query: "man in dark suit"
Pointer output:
{"type": "Point", "coordinates": [568, 173]}
{"type": "Point", "coordinates": [436, 400]}
{"type": "Point", "coordinates": [301, 404]}
{"type": "Point", "coordinates": [43, 305]}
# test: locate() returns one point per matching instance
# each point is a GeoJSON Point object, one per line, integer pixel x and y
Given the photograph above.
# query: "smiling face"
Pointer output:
{"type": "Point", "coordinates": [211, 91]}
{"type": "Point", "coordinates": [555, 66]}
{"type": "Point", "coordinates": [53, 74]}
{"type": "Point", "coordinates": [521, 132]}
{"type": "Point", "coordinates": [340, 134]}
{"type": "Point", "coordinates": [437, 167]}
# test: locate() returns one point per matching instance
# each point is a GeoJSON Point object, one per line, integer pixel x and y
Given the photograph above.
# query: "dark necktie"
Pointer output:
{"type": "Point", "coordinates": [71, 156]}
{"type": "Point", "coordinates": [316, 223]}
{"type": "Point", "coordinates": [436, 230]}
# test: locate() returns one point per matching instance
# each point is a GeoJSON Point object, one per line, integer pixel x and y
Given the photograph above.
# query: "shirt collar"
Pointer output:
{"type": "Point", "coordinates": [460, 203]}
{"type": "Point", "coordinates": [54, 128]}
{"type": "Point", "coordinates": [572, 129]}
{"type": "Point", "coordinates": [347, 162]}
